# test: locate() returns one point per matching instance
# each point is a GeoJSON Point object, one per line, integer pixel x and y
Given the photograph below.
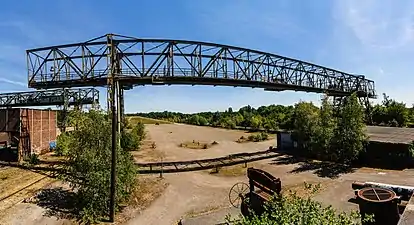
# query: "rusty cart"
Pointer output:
{"type": "Point", "coordinates": [253, 196]}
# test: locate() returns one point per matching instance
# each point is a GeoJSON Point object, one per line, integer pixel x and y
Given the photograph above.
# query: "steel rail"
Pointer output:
{"type": "Point", "coordinates": [204, 164]}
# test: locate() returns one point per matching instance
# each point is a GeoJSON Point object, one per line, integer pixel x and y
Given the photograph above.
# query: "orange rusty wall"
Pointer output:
{"type": "Point", "coordinates": [42, 128]}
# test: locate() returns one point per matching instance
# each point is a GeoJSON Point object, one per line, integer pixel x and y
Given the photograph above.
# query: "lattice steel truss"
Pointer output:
{"type": "Point", "coordinates": [159, 61]}
{"type": "Point", "coordinates": [81, 96]}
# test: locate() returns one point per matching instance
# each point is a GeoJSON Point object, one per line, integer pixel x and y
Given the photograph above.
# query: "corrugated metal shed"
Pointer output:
{"type": "Point", "coordinates": [390, 134]}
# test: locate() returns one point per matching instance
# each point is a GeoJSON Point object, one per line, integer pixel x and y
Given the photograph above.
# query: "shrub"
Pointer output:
{"type": "Point", "coordinates": [205, 146]}
{"type": "Point", "coordinates": [264, 136]}
{"type": "Point", "coordinates": [33, 159]}
{"type": "Point", "coordinates": [89, 164]}
{"type": "Point", "coordinates": [153, 145]}
{"type": "Point", "coordinates": [258, 137]}
{"type": "Point", "coordinates": [251, 137]}
{"type": "Point", "coordinates": [132, 140]}
{"type": "Point", "coordinates": [294, 209]}
{"type": "Point", "coordinates": [139, 131]}
{"type": "Point", "coordinates": [62, 144]}
{"type": "Point", "coordinates": [129, 141]}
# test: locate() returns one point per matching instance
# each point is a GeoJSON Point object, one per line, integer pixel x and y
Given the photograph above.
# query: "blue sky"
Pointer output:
{"type": "Point", "coordinates": [374, 38]}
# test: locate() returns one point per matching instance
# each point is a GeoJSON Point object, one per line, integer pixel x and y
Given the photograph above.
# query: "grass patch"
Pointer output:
{"type": "Point", "coordinates": [136, 119]}
{"type": "Point", "coordinates": [254, 138]}
{"type": "Point", "coordinates": [147, 190]}
{"type": "Point", "coordinates": [230, 171]}
{"type": "Point", "coordinates": [197, 144]}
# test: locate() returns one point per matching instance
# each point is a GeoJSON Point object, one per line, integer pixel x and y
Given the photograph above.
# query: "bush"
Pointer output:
{"type": "Point", "coordinates": [294, 209]}
{"type": "Point", "coordinates": [132, 140]}
{"type": "Point", "coordinates": [62, 144]}
{"type": "Point", "coordinates": [89, 164]}
{"type": "Point", "coordinates": [258, 137]}
{"type": "Point", "coordinates": [139, 131]}
{"type": "Point", "coordinates": [33, 159]}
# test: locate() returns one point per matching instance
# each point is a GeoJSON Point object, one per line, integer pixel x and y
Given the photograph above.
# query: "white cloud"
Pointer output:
{"type": "Point", "coordinates": [383, 24]}
{"type": "Point", "coordinates": [18, 83]}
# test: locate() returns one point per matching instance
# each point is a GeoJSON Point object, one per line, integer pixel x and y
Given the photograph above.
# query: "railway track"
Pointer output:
{"type": "Point", "coordinates": [22, 189]}
{"type": "Point", "coordinates": [204, 164]}
{"type": "Point", "coordinates": [32, 181]}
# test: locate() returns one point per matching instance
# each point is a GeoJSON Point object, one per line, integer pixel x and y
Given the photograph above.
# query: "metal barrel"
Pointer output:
{"type": "Point", "coordinates": [379, 202]}
{"type": "Point", "coordinates": [405, 192]}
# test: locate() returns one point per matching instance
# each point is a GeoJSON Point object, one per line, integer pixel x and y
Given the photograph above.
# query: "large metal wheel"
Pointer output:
{"type": "Point", "coordinates": [237, 193]}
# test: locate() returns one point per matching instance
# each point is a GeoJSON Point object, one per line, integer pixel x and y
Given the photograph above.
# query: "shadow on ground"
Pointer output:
{"type": "Point", "coordinates": [320, 168]}
{"type": "Point", "coordinates": [58, 202]}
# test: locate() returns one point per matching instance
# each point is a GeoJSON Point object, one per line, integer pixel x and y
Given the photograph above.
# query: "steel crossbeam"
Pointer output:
{"type": "Point", "coordinates": [81, 96]}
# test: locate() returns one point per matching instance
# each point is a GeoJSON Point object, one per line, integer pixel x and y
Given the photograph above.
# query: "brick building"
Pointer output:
{"type": "Point", "coordinates": [26, 131]}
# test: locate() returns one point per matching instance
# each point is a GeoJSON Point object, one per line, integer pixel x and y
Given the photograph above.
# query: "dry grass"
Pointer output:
{"type": "Point", "coordinates": [197, 144]}
{"type": "Point", "coordinates": [209, 209]}
{"type": "Point", "coordinates": [301, 190]}
{"type": "Point", "coordinates": [148, 188]}
{"type": "Point", "coordinates": [135, 119]}
{"type": "Point", "coordinates": [230, 171]}
{"type": "Point", "coordinates": [17, 184]}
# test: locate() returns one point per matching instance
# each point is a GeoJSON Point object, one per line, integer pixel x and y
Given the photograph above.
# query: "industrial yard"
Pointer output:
{"type": "Point", "coordinates": [199, 197]}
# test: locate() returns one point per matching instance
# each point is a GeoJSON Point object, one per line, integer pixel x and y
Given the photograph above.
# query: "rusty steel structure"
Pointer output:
{"type": "Point", "coordinates": [136, 61]}
{"type": "Point", "coordinates": [204, 164]}
{"type": "Point", "coordinates": [253, 196]}
{"type": "Point", "coordinates": [76, 97]}
{"type": "Point", "coordinates": [120, 62]}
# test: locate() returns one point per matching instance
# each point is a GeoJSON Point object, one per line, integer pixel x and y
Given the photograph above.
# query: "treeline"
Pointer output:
{"type": "Point", "coordinates": [272, 117]}
{"type": "Point", "coordinates": [275, 117]}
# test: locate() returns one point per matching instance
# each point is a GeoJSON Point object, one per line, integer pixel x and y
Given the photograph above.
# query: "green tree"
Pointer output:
{"type": "Point", "coordinates": [398, 112]}
{"type": "Point", "coordinates": [239, 119]}
{"type": "Point", "coordinates": [324, 132]}
{"type": "Point", "coordinates": [202, 121]}
{"type": "Point", "coordinates": [350, 131]}
{"type": "Point", "coordinates": [305, 121]}
{"type": "Point", "coordinates": [89, 164]}
{"type": "Point", "coordinates": [256, 122]}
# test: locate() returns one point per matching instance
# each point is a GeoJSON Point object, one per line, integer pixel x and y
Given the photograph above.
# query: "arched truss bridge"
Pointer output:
{"type": "Point", "coordinates": [134, 61]}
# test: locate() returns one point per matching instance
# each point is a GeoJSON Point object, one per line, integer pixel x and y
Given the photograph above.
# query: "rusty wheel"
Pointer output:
{"type": "Point", "coordinates": [237, 194]}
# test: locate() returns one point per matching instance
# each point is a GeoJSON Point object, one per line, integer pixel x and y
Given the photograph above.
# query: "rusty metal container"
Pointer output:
{"type": "Point", "coordinates": [381, 202]}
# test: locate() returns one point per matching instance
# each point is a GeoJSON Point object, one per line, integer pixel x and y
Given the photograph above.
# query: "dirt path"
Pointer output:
{"type": "Point", "coordinates": [187, 193]}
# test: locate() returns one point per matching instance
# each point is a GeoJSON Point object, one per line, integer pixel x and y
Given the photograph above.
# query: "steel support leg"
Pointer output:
{"type": "Point", "coordinates": [112, 103]}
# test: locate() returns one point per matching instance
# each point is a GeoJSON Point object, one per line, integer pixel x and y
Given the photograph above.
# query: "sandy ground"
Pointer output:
{"type": "Point", "coordinates": [202, 198]}
{"type": "Point", "coordinates": [168, 137]}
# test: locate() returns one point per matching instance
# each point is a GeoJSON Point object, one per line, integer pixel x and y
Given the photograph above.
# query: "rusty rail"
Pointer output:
{"type": "Point", "coordinates": [204, 164]}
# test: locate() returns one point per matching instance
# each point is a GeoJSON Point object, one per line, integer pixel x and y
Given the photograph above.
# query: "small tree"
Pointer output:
{"type": "Point", "coordinates": [305, 123]}
{"type": "Point", "coordinates": [89, 164]}
{"type": "Point", "coordinates": [324, 132]}
{"type": "Point", "coordinates": [350, 131]}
